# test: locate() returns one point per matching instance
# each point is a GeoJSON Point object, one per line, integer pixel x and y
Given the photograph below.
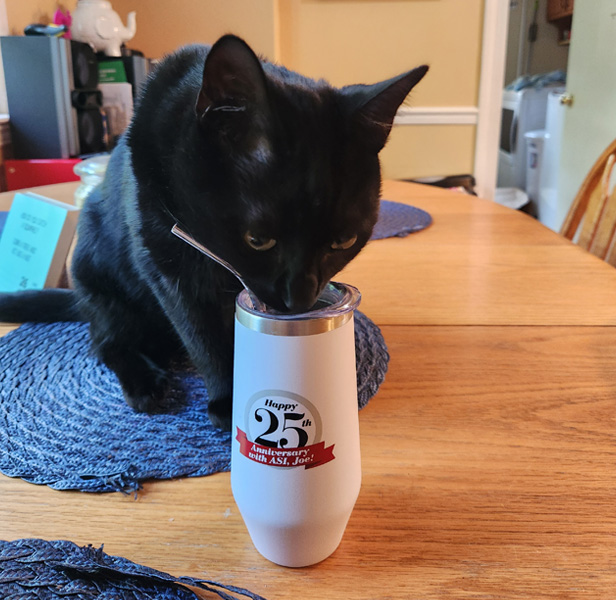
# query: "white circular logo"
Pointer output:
{"type": "Point", "coordinates": [279, 419]}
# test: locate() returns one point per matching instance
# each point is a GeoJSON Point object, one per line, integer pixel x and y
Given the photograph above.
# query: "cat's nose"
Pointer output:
{"type": "Point", "coordinates": [301, 293]}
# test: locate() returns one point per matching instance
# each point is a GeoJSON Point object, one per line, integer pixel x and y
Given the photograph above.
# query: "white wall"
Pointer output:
{"type": "Point", "coordinates": [590, 123]}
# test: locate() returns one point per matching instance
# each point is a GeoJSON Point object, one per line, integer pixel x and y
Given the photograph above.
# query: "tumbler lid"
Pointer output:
{"type": "Point", "coordinates": [333, 309]}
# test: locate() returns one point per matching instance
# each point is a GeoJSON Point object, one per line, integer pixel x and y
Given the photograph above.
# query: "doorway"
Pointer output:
{"type": "Point", "coordinates": [536, 63]}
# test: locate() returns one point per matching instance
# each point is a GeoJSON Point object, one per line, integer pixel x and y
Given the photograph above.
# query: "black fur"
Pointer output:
{"type": "Point", "coordinates": [228, 147]}
{"type": "Point", "coordinates": [31, 305]}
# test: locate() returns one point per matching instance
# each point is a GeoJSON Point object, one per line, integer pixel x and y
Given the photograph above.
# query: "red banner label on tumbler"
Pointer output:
{"type": "Point", "coordinates": [306, 456]}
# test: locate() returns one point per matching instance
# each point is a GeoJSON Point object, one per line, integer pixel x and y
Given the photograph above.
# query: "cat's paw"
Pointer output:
{"type": "Point", "coordinates": [149, 402]}
{"type": "Point", "coordinates": [148, 394]}
{"type": "Point", "coordinates": [219, 412]}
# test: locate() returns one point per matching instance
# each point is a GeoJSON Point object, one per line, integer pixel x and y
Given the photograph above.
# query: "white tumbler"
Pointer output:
{"type": "Point", "coordinates": [295, 461]}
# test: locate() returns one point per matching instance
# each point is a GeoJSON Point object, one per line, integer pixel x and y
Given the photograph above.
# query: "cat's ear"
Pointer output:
{"type": "Point", "coordinates": [374, 106]}
{"type": "Point", "coordinates": [233, 78]}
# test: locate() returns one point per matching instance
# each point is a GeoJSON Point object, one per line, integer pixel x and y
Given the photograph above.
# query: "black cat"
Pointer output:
{"type": "Point", "coordinates": [276, 173]}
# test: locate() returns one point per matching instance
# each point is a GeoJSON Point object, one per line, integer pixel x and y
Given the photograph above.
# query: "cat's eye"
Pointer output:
{"type": "Point", "coordinates": [345, 243]}
{"type": "Point", "coordinates": [259, 243]}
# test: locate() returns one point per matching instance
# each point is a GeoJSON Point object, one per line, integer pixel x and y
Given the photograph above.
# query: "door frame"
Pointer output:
{"type": "Point", "coordinates": [491, 81]}
{"type": "Point", "coordinates": [4, 30]}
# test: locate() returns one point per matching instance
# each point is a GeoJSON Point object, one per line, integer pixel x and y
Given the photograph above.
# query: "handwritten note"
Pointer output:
{"type": "Point", "coordinates": [35, 242]}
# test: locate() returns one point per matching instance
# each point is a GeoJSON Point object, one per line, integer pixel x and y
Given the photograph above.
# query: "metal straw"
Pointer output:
{"type": "Point", "coordinates": [175, 230]}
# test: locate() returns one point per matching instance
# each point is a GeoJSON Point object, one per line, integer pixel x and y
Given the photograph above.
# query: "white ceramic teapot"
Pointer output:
{"type": "Point", "coordinates": [97, 24]}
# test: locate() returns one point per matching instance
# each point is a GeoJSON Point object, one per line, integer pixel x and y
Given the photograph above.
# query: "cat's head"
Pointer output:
{"type": "Point", "coordinates": [293, 165]}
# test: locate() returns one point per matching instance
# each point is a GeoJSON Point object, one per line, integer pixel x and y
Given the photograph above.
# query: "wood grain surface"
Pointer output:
{"type": "Point", "coordinates": [488, 455]}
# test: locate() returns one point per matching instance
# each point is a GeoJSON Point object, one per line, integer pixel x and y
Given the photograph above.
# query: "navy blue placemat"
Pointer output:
{"type": "Point", "coordinates": [395, 220]}
{"type": "Point", "coordinates": [398, 220]}
{"type": "Point", "coordinates": [32, 569]}
{"type": "Point", "coordinates": [64, 422]}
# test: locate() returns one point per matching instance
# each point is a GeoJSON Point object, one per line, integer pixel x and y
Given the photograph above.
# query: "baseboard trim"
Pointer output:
{"type": "Point", "coordinates": [437, 115]}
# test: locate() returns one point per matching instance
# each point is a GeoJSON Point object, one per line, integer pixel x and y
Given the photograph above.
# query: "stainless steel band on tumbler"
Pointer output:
{"type": "Point", "coordinates": [335, 308]}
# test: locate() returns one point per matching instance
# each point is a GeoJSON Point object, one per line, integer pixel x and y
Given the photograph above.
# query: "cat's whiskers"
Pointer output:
{"type": "Point", "coordinates": [178, 223]}
{"type": "Point", "coordinates": [226, 108]}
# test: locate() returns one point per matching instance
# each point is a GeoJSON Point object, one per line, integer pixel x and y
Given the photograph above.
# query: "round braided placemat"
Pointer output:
{"type": "Point", "coordinates": [64, 422]}
{"type": "Point", "coordinates": [398, 220]}
{"type": "Point", "coordinates": [33, 569]}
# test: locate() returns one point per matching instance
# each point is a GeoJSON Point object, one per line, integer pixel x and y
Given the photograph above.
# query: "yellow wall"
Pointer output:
{"type": "Point", "coordinates": [424, 150]}
{"type": "Point", "coordinates": [350, 41]}
{"type": "Point", "coordinates": [163, 26]}
{"type": "Point", "coordinates": [24, 12]}
{"type": "Point", "coordinates": [343, 41]}
{"type": "Point", "coordinates": [353, 41]}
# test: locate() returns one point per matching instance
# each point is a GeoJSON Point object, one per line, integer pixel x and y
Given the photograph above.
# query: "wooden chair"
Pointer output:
{"type": "Point", "coordinates": [594, 207]}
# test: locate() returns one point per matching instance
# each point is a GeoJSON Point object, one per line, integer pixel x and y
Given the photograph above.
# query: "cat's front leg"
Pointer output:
{"type": "Point", "coordinates": [210, 346]}
{"type": "Point", "coordinates": [220, 393]}
{"type": "Point", "coordinates": [205, 327]}
{"type": "Point", "coordinates": [137, 346]}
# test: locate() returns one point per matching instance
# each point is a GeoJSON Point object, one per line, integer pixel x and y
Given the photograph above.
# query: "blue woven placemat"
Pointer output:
{"type": "Point", "coordinates": [64, 422]}
{"type": "Point", "coordinates": [37, 569]}
{"type": "Point", "coordinates": [398, 220]}
{"type": "Point", "coordinates": [395, 219]}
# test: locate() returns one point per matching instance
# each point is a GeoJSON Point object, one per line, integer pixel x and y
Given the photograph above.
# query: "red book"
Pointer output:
{"type": "Point", "coordinates": [22, 174]}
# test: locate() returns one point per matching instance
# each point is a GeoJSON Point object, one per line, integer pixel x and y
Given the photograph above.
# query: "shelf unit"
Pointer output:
{"type": "Point", "coordinates": [560, 14]}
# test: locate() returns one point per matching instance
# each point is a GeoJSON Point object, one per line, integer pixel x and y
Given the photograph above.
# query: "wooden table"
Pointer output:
{"type": "Point", "coordinates": [488, 455]}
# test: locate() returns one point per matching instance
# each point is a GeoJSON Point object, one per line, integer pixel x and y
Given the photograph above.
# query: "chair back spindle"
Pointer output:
{"type": "Point", "coordinates": [593, 211]}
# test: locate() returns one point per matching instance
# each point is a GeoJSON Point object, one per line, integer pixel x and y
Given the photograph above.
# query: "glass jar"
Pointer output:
{"type": "Point", "coordinates": [91, 172]}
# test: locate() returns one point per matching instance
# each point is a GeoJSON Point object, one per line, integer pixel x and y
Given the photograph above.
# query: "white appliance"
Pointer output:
{"type": "Point", "coordinates": [522, 111]}
{"type": "Point", "coordinates": [550, 212]}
